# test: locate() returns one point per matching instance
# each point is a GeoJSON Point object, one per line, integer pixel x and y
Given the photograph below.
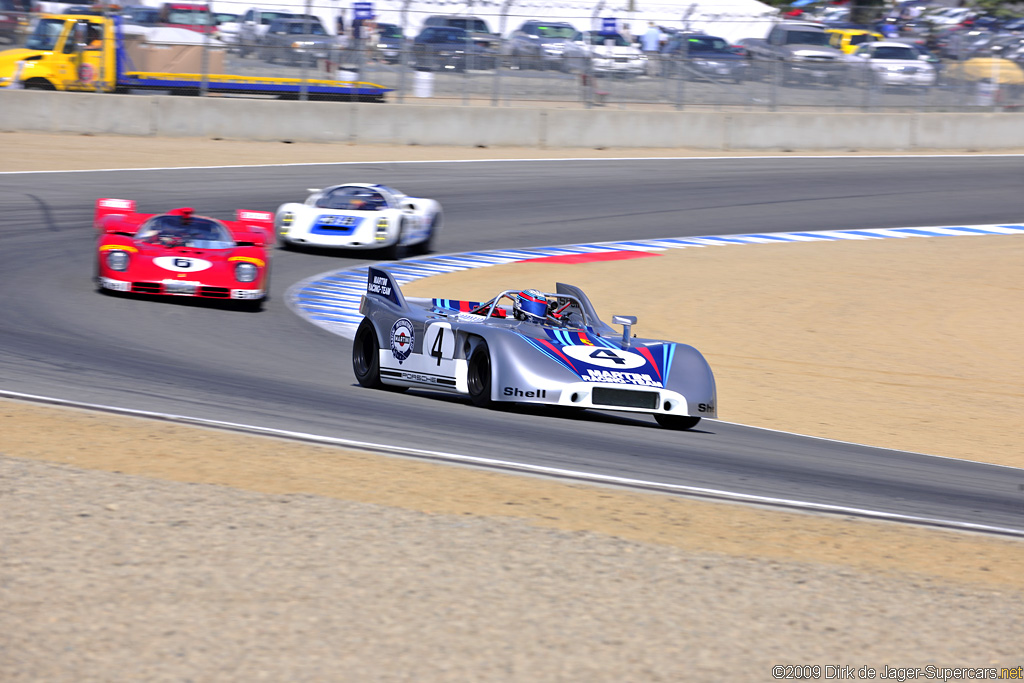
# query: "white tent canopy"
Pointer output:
{"type": "Point", "coordinates": [730, 19]}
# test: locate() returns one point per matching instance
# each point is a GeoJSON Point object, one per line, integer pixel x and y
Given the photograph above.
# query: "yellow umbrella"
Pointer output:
{"type": "Point", "coordinates": [995, 69]}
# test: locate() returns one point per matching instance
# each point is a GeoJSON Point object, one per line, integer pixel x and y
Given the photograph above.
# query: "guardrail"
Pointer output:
{"type": "Point", "coordinates": [412, 124]}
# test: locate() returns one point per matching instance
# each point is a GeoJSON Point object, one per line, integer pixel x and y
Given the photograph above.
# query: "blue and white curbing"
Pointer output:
{"type": "Point", "coordinates": [331, 300]}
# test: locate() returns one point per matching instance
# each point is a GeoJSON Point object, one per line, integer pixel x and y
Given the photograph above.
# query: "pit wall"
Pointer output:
{"type": "Point", "coordinates": [411, 124]}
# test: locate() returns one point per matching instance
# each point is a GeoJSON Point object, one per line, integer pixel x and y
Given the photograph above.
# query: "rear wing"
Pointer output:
{"type": "Point", "coordinates": [111, 207]}
{"type": "Point", "coordinates": [380, 284]}
{"type": "Point", "coordinates": [257, 221]}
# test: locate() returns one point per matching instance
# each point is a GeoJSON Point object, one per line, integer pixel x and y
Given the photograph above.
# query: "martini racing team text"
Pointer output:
{"type": "Point", "coordinates": [837, 672]}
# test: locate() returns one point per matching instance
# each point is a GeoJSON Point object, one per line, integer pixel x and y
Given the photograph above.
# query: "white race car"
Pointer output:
{"type": "Point", "coordinates": [360, 216]}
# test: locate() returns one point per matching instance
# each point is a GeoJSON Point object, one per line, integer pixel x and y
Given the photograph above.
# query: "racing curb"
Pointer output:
{"type": "Point", "coordinates": [331, 300]}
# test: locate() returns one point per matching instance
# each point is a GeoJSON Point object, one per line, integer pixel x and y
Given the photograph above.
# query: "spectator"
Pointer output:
{"type": "Point", "coordinates": [650, 43]}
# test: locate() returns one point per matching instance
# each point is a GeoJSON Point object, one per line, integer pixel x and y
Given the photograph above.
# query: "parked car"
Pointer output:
{"type": "Point", "coordinates": [610, 54]}
{"type": "Point", "coordinates": [803, 51]}
{"type": "Point", "coordinates": [849, 39]}
{"type": "Point", "coordinates": [696, 55]}
{"type": "Point", "coordinates": [253, 24]}
{"type": "Point", "coordinates": [296, 41]}
{"type": "Point", "coordinates": [227, 28]}
{"type": "Point", "coordinates": [390, 43]}
{"type": "Point", "coordinates": [892, 64]}
{"type": "Point", "coordinates": [543, 45]}
{"type": "Point", "coordinates": [14, 20]}
{"type": "Point", "coordinates": [140, 15]}
{"type": "Point", "coordinates": [188, 15]}
{"type": "Point", "coordinates": [480, 32]}
{"type": "Point", "coordinates": [442, 48]}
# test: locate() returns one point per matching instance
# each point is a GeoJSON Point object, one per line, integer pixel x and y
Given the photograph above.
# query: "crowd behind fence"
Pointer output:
{"type": "Point", "coordinates": [490, 74]}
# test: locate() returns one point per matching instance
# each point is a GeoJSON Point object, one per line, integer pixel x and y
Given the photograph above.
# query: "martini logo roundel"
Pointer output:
{"type": "Point", "coordinates": [402, 338]}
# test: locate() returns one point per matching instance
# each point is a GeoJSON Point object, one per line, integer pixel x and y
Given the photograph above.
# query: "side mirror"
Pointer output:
{"type": "Point", "coordinates": [627, 322]}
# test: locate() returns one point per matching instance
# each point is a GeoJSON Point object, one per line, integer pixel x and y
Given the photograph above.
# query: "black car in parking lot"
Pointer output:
{"type": "Point", "coordinates": [444, 48]}
{"type": "Point", "coordinates": [390, 42]}
{"type": "Point", "coordinates": [296, 41]}
{"type": "Point", "coordinates": [543, 45]}
{"type": "Point", "coordinates": [700, 56]}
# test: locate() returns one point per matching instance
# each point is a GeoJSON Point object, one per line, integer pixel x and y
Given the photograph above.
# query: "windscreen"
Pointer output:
{"type": "Point", "coordinates": [806, 38]}
{"type": "Point", "coordinates": [195, 232]}
{"type": "Point", "coordinates": [556, 31]}
{"type": "Point", "coordinates": [46, 35]}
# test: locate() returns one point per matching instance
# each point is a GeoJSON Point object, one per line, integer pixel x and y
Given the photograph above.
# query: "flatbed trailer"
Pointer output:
{"type": "Point", "coordinates": [87, 53]}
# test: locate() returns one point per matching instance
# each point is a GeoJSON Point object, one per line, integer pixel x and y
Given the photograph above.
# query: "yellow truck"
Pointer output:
{"type": "Point", "coordinates": [91, 53]}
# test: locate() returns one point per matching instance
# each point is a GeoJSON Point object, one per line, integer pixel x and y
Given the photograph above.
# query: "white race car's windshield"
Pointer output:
{"type": "Point", "coordinates": [198, 233]}
{"type": "Point", "coordinates": [352, 199]}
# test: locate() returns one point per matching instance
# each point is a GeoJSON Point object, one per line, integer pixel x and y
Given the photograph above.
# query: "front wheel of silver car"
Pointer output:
{"type": "Point", "coordinates": [682, 422]}
{"type": "Point", "coordinates": [478, 376]}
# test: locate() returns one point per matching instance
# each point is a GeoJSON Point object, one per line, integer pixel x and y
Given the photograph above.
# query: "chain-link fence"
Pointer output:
{"type": "Point", "coordinates": [474, 68]}
{"type": "Point", "coordinates": [424, 74]}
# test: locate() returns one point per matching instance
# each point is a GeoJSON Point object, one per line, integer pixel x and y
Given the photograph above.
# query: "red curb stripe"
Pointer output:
{"type": "Point", "coordinates": [594, 256]}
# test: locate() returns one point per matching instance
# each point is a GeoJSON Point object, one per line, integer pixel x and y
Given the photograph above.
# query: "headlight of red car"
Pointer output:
{"type": "Point", "coordinates": [245, 272]}
{"type": "Point", "coordinates": [117, 260]}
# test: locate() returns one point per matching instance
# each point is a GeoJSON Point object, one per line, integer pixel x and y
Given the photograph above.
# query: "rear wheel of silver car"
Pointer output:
{"type": "Point", "coordinates": [366, 356]}
{"type": "Point", "coordinates": [478, 377]}
{"type": "Point", "coordinates": [682, 422]}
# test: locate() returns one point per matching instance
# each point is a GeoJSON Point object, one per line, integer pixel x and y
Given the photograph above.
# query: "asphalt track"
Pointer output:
{"type": "Point", "coordinates": [60, 338]}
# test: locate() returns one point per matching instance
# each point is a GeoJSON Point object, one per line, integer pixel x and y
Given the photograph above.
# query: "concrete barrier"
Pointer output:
{"type": "Point", "coordinates": [415, 124]}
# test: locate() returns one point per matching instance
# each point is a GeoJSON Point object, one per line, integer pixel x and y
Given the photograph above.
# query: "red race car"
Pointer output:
{"type": "Point", "coordinates": [181, 254]}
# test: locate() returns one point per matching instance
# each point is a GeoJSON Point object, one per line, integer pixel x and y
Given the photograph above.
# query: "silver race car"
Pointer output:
{"type": "Point", "coordinates": [526, 347]}
{"type": "Point", "coordinates": [360, 216]}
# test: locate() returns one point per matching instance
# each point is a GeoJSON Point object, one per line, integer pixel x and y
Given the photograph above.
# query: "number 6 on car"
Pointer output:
{"type": "Point", "coordinates": [527, 346]}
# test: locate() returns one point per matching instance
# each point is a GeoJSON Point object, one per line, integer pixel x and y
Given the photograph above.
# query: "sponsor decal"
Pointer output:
{"type": "Point", "coordinates": [181, 264]}
{"type": "Point", "coordinates": [402, 339]}
{"type": "Point", "coordinates": [117, 204]}
{"type": "Point", "coordinates": [116, 285]}
{"type": "Point", "coordinates": [378, 282]}
{"type": "Point", "coordinates": [87, 73]}
{"type": "Point", "coordinates": [253, 216]}
{"type": "Point", "coordinates": [522, 393]}
{"type": "Point", "coordinates": [705, 407]}
{"type": "Point", "coordinates": [115, 247]}
{"type": "Point", "coordinates": [246, 293]}
{"type": "Point", "coordinates": [602, 356]}
{"type": "Point", "coordinates": [249, 259]}
{"type": "Point", "coordinates": [340, 221]}
{"type": "Point", "coordinates": [614, 377]}
{"type": "Point", "coordinates": [470, 318]}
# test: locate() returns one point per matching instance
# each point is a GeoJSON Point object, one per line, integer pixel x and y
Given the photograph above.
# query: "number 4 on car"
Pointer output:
{"type": "Point", "coordinates": [527, 346]}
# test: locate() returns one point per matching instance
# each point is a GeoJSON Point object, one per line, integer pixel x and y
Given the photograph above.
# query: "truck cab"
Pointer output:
{"type": "Point", "coordinates": [64, 52]}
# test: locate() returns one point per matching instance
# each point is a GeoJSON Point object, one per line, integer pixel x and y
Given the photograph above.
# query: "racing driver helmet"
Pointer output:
{"type": "Point", "coordinates": [530, 305]}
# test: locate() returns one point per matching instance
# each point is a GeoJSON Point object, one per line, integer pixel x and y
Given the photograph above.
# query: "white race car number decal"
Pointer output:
{"type": "Point", "coordinates": [182, 264]}
{"type": "Point", "coordinates": [602, 356]}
